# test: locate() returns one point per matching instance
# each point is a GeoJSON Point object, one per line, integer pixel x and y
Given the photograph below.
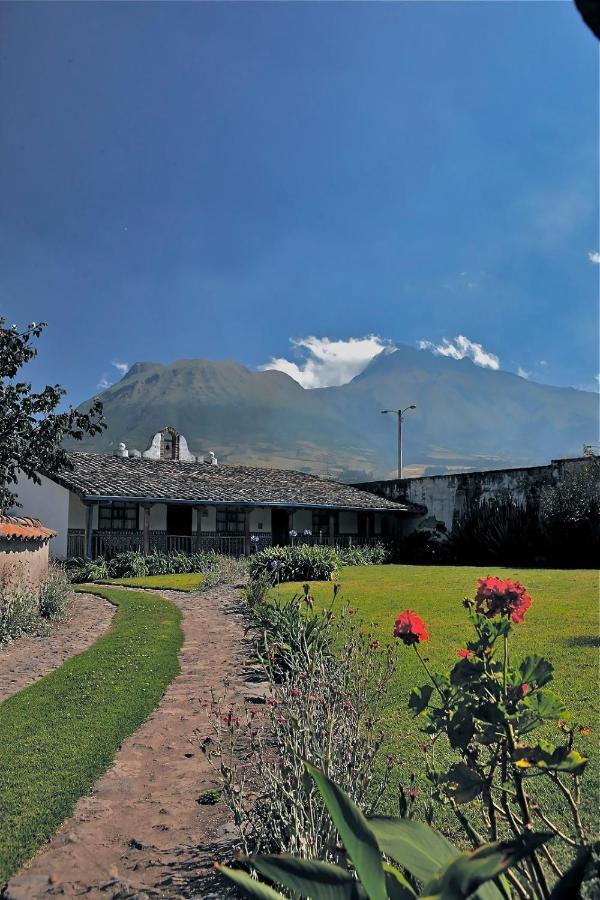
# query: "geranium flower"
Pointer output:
{"type": "Point", "coordinates": [464, 654]}
{"type": "Point", "coordinates": [499, 597]}
{"type": "Point", "coordinates": [410, 628]}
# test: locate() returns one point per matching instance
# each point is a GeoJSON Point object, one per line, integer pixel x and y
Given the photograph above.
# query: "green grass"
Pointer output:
{"type": "Point", "coordinates": [562, 625]}
{"type": "Point", "coordinates": [61, 733]}
{"type": "Point", "coordinates": [188, 582]}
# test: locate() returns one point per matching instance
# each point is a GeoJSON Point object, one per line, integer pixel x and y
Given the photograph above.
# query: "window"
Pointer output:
{"type": "Point", "coordinates": [320, 522]}
{"type": "Point", "coordinates": [118, 516]}
{"type": "Point", "coordinates": [230, 521]}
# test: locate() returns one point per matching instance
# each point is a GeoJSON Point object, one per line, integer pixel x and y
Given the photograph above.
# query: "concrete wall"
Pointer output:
{"type": "Point", "coordinates": [23, 561]}
{"type": "Point", "coordinates": [48, 502]}
{"type": "Point", "coordinates": [446, 496]}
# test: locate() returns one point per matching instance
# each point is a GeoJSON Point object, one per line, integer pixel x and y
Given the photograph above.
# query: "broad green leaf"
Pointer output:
{"type": "Point", "coordinates": [461, 729]}
{"type": "Point", "coordinates": [567, 887]}
{"type": "Point", "coordinates": [546, 705]}
{"type": "Point", "coordinates": [462, 876]}
{"type": "Point", "coordinates": [310, 878]}
{"type": "Point", "coordinates": [465, 671]}
{"type": "Point", "coordinates": [251, 888]}
{"type": "Point", "coordinates": [536, 670]}
{"type": "Point", "coordinates": [414, 845]}
{"type": "Point", "coordinates": [398, 887]}
{"type": "Point", "coordinates": [357, 837]}
{"type": "Point", "coordinates": [545, 755]}
{"type": "Point", "coordinates": [419, 698]}
{"type": "Point", "coordinates": [463, 783]}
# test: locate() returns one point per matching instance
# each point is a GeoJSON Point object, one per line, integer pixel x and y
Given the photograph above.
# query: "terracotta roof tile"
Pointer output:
{"type": "Point", "coordinates": [93, 475]}
{"type": "Point", "coordinates": [19, 528]}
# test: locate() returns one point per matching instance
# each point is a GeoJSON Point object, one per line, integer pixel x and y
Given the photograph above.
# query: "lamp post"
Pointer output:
{"type": "Point", "coordinates": [399, 413]}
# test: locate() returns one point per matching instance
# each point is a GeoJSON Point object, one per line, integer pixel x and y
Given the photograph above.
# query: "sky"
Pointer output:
{"type": "Point", "coordinates": [300, 185]}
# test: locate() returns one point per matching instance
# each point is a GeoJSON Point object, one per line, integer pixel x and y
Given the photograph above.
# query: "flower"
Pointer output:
{"type": "Point", "coordinates": [412, 793]}
{"type": "Point", "coordinates": [293, 533]}
{"type": "Point", "coordinates": [584, 730]}
{"type": "Point", "coordinates": [525, 688]}
{"type": "Point", "coordinates": [295, 692]}
{"type": "Point", "coordinates": [374, 645]}
{"type": "Point", "coordinates": [464, 654]}
{"type": "Point", "coordinates": [410, 628]}
{"type": "Point", "coordinates": [307, 532]}
{"type": "Point", "coordinates": [498, 597]}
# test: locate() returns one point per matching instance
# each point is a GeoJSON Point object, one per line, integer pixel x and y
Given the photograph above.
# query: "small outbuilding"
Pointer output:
{"type": "Point", "coordinates": [23, 549]}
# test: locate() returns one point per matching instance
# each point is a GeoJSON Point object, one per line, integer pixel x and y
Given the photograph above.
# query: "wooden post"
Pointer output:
{"type": "Point", "coordinates": [368, 525]}
{"type": "Point", "coordinates": [247, 532]}
{"type": "Point", "coordinates": [146, 528]}
{"type": "Point", "coordinates": [89, 531]}
{"type": "Point", "coordinates": [332, 529]}
{"type": "Point", "coordinates": [198, 526]}
{"type": "Point", "coordinates": [291, 526]}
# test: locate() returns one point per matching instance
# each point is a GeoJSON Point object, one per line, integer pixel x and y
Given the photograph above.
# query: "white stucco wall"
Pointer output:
{"type": "Point", "coordinates": [158, 517]}
{"type": "Point", "coordinates": [209, 522]}
{"type": "Point", "coordinates": [258, 517]}
{"type": "Point", "coordinates": [302, 520]}
{"type": "Point", "coordinates": [48, 502]}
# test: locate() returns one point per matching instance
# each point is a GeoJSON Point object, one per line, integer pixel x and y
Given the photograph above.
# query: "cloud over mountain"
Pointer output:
{"type": "Point", "coordinates": [327, 363]}
{"type": "Point", "coordinates": [462, 347]}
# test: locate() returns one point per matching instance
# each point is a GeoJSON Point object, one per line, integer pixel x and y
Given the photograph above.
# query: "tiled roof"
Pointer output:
{"type": "Point", "coordinates": [18, 528]}
{"type": "Point", "coordinates": [137, 478]}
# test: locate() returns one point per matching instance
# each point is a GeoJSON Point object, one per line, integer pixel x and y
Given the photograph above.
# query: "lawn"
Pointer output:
{"type": "Point", "coordinates": [61, 733]}
{"type": "Point", "coordinates": [191, 582]}
{"type": "Point", "coordinates": [562, 624]}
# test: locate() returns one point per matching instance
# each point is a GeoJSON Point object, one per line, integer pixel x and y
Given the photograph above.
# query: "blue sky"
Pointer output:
{"type": "Point", "coordinates": [214, 180]}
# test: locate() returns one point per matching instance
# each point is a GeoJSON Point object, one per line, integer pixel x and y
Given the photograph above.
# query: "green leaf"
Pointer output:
{"type": "Point", "coordinates": [415, 846]}
{"type": "Point", "coordinates": [465, 671]}
{"type": "Point", "coordinates": [398, 887]}
{"type": "Point", "coordinates": [249, 886]}
{"type": "Point", "coordinates": [419, 698]}
{"type": "Point", "coordinates": [357, 837]}
{"type": "Point", "coordinates": [536, 670]}
{"type": "Point", "coordinates": [310, 878]}
{"type": "Point", "coordinates": [462, 876]}
{"type": "Point", "coordinates": [545, 755]}
{"type": "Point", "coordinates": [463, 783]}
{"type": "Point", "coordinates": [546, 705]}
{"type": "Point", "coordinates": [461, 729]}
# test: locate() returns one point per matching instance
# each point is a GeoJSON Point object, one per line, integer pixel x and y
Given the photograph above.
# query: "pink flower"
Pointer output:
{"type": "Point", "coordinates": [412, 793]}
{"type": "Point", "coordinates": [464, 654]}
{"type": "Point", "coordinates": [498, 597]}
{"type": "Point", "coordinates": [525, 688]}
{"type": "Point", "coordinates": [374, 645]}
{"type": "Point", "coordinates": [295, 692]}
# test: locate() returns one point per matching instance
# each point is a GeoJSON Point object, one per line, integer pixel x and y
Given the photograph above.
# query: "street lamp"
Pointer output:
{"type": "Point", "coordinates": [399, 413]}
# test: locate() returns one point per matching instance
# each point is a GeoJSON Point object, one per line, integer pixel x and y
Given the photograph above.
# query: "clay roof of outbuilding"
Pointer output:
{"type": "Point", "coordinates": [137, 478]}
{"type": "Point", "coordinates": [20, 528]}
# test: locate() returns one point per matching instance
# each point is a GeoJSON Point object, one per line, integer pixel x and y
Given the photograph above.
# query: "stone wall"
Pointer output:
{"type": "Point", "coordinates": [446, 496]}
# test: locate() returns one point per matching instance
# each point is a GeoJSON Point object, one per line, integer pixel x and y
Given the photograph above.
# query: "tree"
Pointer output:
{"type": "Point", "coordinates": [570, 514]}
{"type": "Point", "coordinates": [31, 431]}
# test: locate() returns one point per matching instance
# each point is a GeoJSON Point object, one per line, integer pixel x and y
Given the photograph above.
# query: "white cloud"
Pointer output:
{"type": "Point", "coordinates": [121, 367]}
{"type": "Point", "coordinates": [594, 257]}
{"type": "Point", "coordinates": [326, 363]}
{"type": "Point", "coordinates": [543, 362]}
{"type": "Point", "coordinates": [103, 383]}
{"type": "Point", "coordinates": [462, 347]}
{"type": "Point", "coordinates": [522, 373]}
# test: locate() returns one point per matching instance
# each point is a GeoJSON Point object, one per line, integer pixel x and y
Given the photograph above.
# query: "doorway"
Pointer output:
{"type": "Point", "coordinates": [280, 527]}
{"type": "Point", "coordinates": [179, 519]}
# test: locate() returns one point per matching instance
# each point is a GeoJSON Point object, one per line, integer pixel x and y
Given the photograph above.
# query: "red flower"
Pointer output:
{"type": "Point", "coordinates": [525, 688]}
{"type": "Point", "coordinates": [498, 597]}
{"type": "Point", "coordinates": [464, 654]}
{"type": "Point", "coordinates": [374, 645]}
{"type": "Point", "coordinates": [410, 628]}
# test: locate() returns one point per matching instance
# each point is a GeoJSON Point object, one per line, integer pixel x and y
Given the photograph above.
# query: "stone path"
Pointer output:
{"type": "Point", "coordinates": [142, 833]}
{"type": "Point", "coordinates": [29, 658]}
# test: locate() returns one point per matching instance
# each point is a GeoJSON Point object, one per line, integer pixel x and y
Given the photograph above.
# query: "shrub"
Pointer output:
{"type": "Point", "coordinates": [423, 854]}
{"type": "Point", "coordinates": [81, 570]}
{"type": "Point", "coordinates": [422, 547]}
{"type": "Point", "coordinates": [570, 516]}
{"type": "Point", "coordinates": [368, 555]}
{"type": "Point", "coordinates": [55, 592]}
{"type": "Point", "coordinates": [497, 532]}
{"type": "Point", "coordinates": [256, 590]}
{"type": "Point", "coordinates": [322, 708]}
{"type": "Point", "coordinates": [302, 563]}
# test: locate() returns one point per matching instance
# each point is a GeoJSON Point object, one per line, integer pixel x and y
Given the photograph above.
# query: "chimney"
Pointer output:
{"type": "Point", "coordinates": [122, 450]}
{"type": "Point", "coordinates": [212, 459]}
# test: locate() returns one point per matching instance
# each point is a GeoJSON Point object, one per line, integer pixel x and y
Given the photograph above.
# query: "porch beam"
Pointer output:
{"type": "Point", "coordinates": [146, 528]}
{"type": "Point", "coordinates": [247, 532]}
{"type": "Point", "coordinates": [89, 531]}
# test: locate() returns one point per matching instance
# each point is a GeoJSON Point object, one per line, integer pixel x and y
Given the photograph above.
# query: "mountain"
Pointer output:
{"type": "Point", "coordinates": [467, 417]}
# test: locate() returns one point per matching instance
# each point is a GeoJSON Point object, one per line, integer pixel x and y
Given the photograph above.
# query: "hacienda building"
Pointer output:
{"type": "Point", "coordinates": [167, 499]}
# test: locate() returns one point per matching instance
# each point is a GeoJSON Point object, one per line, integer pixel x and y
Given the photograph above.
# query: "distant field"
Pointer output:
{"type": "Point", "coordinates": [562, 624]}
{"type": "Point", "coordinates": [162, 582]}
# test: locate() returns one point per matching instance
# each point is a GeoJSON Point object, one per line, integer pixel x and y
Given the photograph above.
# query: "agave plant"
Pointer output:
{"type": "Point", "coordinates": [423, 855]}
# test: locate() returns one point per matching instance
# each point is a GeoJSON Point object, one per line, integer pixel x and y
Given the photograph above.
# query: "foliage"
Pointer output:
{"type": "Point", "coordinates": [367, 555]}
{"type": "Point", "coordinates": [31, 432]}
{"type": "Point", "coordinates": [321, 707]}
{"type": "Point", "coordinates": [216, 569]}
{"type": "Point", "coordinates": [487, 709]}
{"type": "Point", "coordinates": [256, 590]}
{"type": "Point", "coordinates": [305, 562]}
{"type": "Point", "coordinates": [422, 547]}
{"type": "Point", "coordinates": [26, 608]}
{"type": "Point", "coordinates": [570, 516]}
{"type": "Point", "coordinates": [362, 872]}
{"type": "Point", "coordinates": [497, 532]}
{"type": "Point", "coordinates": [96, 699]}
